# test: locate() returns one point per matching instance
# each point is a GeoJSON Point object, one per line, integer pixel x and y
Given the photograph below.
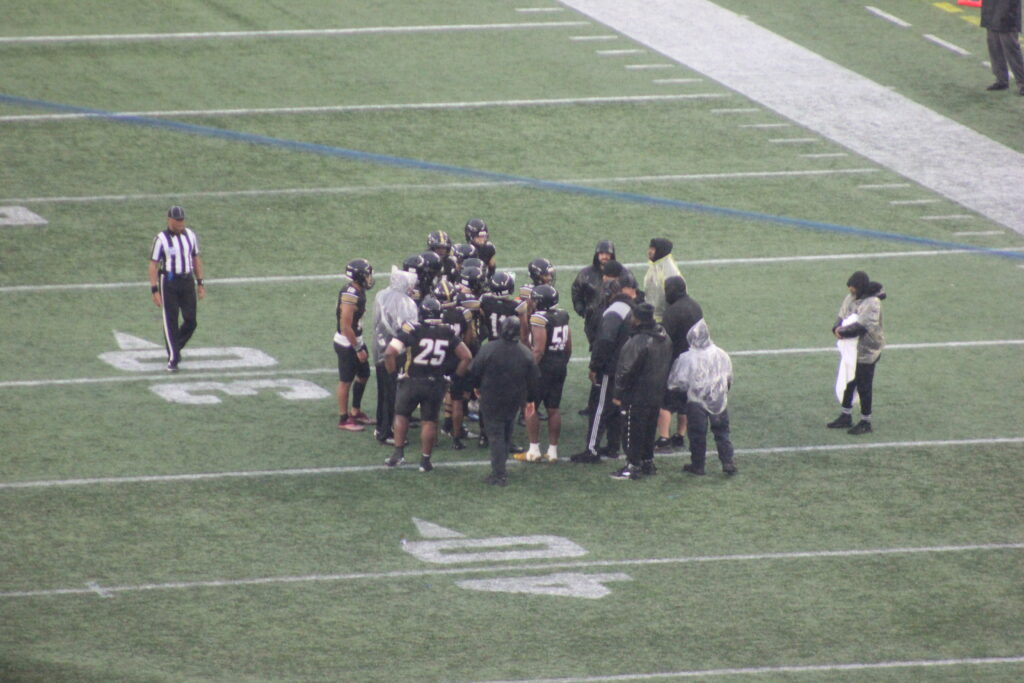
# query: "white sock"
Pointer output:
{"type": "Point", "coordinates": [552, 451]}
{"type": "Point", "coordinates": [534, 449]}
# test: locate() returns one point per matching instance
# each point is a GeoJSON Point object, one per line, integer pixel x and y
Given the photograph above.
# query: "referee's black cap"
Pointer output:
{"type": "Point", "coordinates": [176, 212]}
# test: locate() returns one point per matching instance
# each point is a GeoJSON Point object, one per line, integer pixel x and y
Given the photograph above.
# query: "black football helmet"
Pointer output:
{"type": "Point", "coordinates": [461, 252]}
{"type": "Point", "coordinates": [444, 292]}
{"type": "Point", "coordinates": [413, 264]}
{"type": "Point", "coordinates": [472, 277]}
{"type": "Point", "coordinates": [474, 228]}
{"type": "Point", "coordinates": [430, 310]}
{"type": "Point", "coordinates": [541, 271]}
{"type": "Point", "coordinates": [439, 239]}
{"type": "Point", "coordinates": [545, 297]}
{"type": "Point", "coordinates": [431, 263]}
{"type": "Point", "coordinates": [360, 270]}
{"type": "Point", "coordinates": [503, 283]}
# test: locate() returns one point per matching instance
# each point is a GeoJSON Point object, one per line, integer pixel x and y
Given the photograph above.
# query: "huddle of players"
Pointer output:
{"type": "Point", "coordinates": [462, 300]}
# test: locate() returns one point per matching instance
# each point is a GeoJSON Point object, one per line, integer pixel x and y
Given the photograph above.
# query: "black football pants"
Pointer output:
{"type": "Point", "coordinates": [179, 298]}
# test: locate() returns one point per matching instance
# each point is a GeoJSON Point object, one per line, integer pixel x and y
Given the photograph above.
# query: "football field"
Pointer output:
{"type": "Point", "coordinates": [214, 525]}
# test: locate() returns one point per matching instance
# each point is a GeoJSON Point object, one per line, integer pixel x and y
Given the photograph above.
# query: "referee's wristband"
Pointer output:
{"type": "Point", "coordinates": [154, 288]}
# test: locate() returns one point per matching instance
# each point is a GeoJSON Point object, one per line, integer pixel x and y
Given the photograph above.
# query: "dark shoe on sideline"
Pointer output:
{"type": "Point", "coordinates": [663, 445]}
{"type": "Point", "coordinates": [998, 86]}
{"type": "Point", "coordinates": [844, 421]}
{"type": "Point", "coordinates": [730, 468]}
{"type": "Point", "coordinates": [496, 479]}
{"type": "Point", "coordinates": [862, 427]}
{"type": "Point", "coordinates": [693, 469]}
{"type": "Point", "coordinates": [1021, 91]}
{"type": "Point", "coordinates": [627, 472]}
{"type": "Point", "coordinates": [515, 448]}
{"type": "Point", "coordinates": [394, 460]}
{"type": "Point", "coordinates": [647, 468]}
{"type": "Point", "coordinates": [678, 440]}
{"type": "Point", "coordinates": [607, 452]}
{"type": "Point", "coordinates": [457, 444]}
{"type": "Point", "coordinates": [586, 457]}
{"type": "Point", "coordinates": [425, 464]}
{"type": "Point", "coordinates": [484, 442]}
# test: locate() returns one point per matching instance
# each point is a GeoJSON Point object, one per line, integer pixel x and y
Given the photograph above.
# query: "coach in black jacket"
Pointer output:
{"type": "Point", "coordinates": [508, 378]}
{"type": "Point", "coordinates": [682, 313]}
{"type": "Point", "coordinates": [640, 381]}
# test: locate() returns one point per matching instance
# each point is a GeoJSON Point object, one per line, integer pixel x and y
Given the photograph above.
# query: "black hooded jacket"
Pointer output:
{"type": "Point", "coordinates": [641, 375]}
{"type": "Point", "coordinates": [682, 313]}
{"type": "Point", "coordinates": [588, 294]}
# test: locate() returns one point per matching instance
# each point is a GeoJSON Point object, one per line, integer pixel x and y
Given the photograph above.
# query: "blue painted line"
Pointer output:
{"type": "Point", "coordinates": [567, 188]}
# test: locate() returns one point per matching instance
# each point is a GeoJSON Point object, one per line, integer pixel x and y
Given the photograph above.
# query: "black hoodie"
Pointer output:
{"type": "Point", "coordinates": [682, 314]}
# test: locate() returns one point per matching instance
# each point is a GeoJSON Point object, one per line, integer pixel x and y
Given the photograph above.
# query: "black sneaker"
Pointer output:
{"type": "Point", "coordinates": [678, 440]}
{"type": "Point", "coordinates": [607, 452]}
{"type": "Point", "coordinates": [730, 468]}
{"type": "Point", "coordinates": [425, 464]}
{"type": "Point", "coordinates": [515, 448]}
{"type": "Point", "coordinates": [998, 86]}
{"type": "Point", "coordinates": [395, 460]}
{"type": "Point", "coordinates": [586, 457]}
{"type": "Point", "coordinates": [627, 472]}
{"type": "Point", "coordinates": [457, 444]}
{"type": "Point", "coordinates": [496, 479]}
{"type": "Point", "coordinates": [663, 445]}
{"type": "Point", "coordinates": [446, 426]}
{"type": "Point", "coordinates": [862, 427]}
{"type": "Point", "coordinates": [484, 442]}
{"type": "Point", "coordinates": [172, 367]}
{"type": "Point", "coordinates": [693, 469]}
{"type": "Point", "coordinates": [647, 468]}
{"type": "Point", "coordinates": [844, 421]}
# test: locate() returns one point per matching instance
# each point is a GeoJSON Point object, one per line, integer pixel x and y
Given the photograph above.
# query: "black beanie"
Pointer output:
{"type": "Point", "coordinates": [662, 247]}
{"type": "Point", "coordinates": [859, 281]}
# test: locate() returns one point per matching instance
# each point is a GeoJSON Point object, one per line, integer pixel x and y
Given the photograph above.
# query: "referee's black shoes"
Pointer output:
{"type": "Point", "coordinates": [172, 367]}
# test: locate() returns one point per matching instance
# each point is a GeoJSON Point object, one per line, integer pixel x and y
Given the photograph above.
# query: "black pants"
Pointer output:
{"type": "Point", "coordinates": [387, 388]}
{"type": "Point", "coordinates": [863, 380]}
{"type": "Point", "coordinates": [697, 421]}
{"type": "Point", "coordinates": [1005, 55]}
{"type": "Point", "coordinates": [606, 417]}
{"type": "Point", "coordinates": [641, 422]}
{"type": "Point", "coordinates": [499, 435]}
{"type": "Point", "coordinates": [178, 293]}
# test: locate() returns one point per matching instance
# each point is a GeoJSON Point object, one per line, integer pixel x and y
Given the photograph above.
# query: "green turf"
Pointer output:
{"type": "Point", "coordinates": [343, 600]}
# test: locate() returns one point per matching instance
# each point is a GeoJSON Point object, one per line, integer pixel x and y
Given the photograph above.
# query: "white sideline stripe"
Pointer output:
{"type": "Point", "coordinates": [737, 110]}
{"type": "Point", "coordinates": [949, 46]}
{"type": "Point", "coordinates": [970, 233]}
{"type": "Point", "coordinates": [609, 53]}
{"type": "Point", "coordinates": [791, 141]}
{"type": "Point", "coordinates": [883, 186]}
{"type": "Point", "coordinates": [297, 33]}
{"type": "Point", "coordinates": [759, 670]}
{"type": "Point", "coordinates": [651, 66]}
{"type": "Point", "coordinates": [328, 109]}
{"type": "Point", "coordinates": [314, 471]}
{"type": "Point", "coordinates": [577, 359]}
{"type": "Point", "coordinates": [583, 38]}
{"type": "Point", "coordinates": [92, 587]}
{"type": "Point", "coordinates": [910, 202]}
{"type": "Point", "coordinates": [951, 217]}
{"type": "Point", "coordinates": [366, 189]}
{"type": "Point", "coordinates": [695, 262]}
{"type": "Point", "coordinates": [664, 81]}
{"type": "Point", "coordinates": [539, 10]}
{"type": "Point", "coordinates": [765, 125]}
{"type": "Point", "coordinates": [824, 155]}
{"type": "Point", "coordinates": [888, 17]}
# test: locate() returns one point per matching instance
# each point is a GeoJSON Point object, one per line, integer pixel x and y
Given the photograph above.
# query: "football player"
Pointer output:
{"type": "Point", "coordinates": [441, 244]}
{"type": "Point", "coordinates": [427, 347]}
{"type": "Point", "coordinates": [478, 235]}
{"type": "Point", "coordinates": [349, 345]}
{"type": "Point", "coordinates": [552, 348]}
{"type": "Point", "coordinates": [457, 315]}
{"type": "Point", "coordinates": [415, 264]}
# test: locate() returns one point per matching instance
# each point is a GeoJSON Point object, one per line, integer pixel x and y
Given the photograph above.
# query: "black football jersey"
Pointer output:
{"type": "Point", "coordinates": [351, 295]}
{"type": "Point", "coordinates": [494, 309]}
{"type": "Point", "coordinates": [556, 322]}
{"type": "Point", "coordinates": [485, 252]}
{"type": "Point", "coordinates": [429, 349]}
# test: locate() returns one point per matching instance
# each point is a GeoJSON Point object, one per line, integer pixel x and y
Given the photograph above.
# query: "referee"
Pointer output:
{"type": "Point", "coordinates": [175, 273]}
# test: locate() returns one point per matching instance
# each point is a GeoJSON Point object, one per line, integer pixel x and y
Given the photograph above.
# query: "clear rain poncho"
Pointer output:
{"type": "Point", "coordinates": [704, 372]}
{"type": "Point", "coordinates": [391, 309]}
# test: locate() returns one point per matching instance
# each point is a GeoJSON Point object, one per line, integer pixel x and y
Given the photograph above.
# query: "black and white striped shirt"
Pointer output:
{"type": "Point", "coordinates": [176, 252]}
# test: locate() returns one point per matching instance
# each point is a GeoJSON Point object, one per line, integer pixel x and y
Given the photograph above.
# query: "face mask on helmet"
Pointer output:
{"type": "Point", "coordinates": [541, 271]}
{"type": "Point", "coordinates": [502, 283]}
{"type": "Point", "coordinates": [545, 297]}
{"type": "Point", "coordinates": [474, 228]}
{"type": "Point", "coordinates": [430, 310]}
{"type": "Point", "coordinates": [360, 271]}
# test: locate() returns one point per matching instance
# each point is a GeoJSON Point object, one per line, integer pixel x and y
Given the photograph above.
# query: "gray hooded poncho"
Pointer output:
{"type": "Point", "coordinates": [391, 309]}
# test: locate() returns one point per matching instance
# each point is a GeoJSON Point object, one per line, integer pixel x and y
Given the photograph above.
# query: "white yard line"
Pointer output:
{"type": "Point", "coordinates": [825, 98]}
{"type": "Point", "coordinates": [355, 469]}
{"type": "Point", "coordinates": [946, 44]}
{"type": "Point", "coordinates": [978, 233]}
{"type": "Point", "coordinates": [342, 108]}
{"type": "Point", "coordinates": [93, 588]}
{"type": "Point", "coordinates": [298, 33]}
{"type": "Point", "coordinates": [888, 17]}
{"type": "Point", "coordinates": [277, 279]}
{"type": "Point", "coordinates": [369, 189]}
{"type": "Point", "coordinates": [586, 38]}
{"type": "Point", "coordinates": [912, 202]}
{"type": "Point", "coordinates": [793, 669]}
{"type": "Point", "coordinates": [883, 186]}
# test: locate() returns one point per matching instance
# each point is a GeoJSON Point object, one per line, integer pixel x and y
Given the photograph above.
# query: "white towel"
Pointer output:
{"type": "Point", "coordinates": [847, 361]}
